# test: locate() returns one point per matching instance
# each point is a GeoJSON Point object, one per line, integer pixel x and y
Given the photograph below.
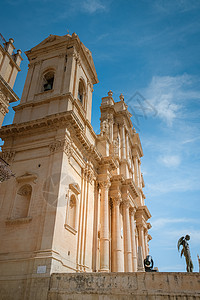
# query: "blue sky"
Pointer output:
{"type": "Point", "coordinates": [149, 50]}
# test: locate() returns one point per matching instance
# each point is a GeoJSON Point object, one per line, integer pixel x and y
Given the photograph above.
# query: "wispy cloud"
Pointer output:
{"type": "Point", "coordinates": [168, 93]}
{"type": "Point", "coordinates": [92, 6]}
{"type": "Point", "coordinates": [188, 141]}
{"type": "Point", "coordinates": [176, 6]}
{"type": "Point", "coordinates": [170, 160]}
{"type": "Point", "coordinates": [162, 222]}
{"type": "Point", "coordinates": [173, 185]}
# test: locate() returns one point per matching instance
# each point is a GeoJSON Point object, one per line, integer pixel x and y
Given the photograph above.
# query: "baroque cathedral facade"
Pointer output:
{"type": "Point", "coordinates": [76, 202]}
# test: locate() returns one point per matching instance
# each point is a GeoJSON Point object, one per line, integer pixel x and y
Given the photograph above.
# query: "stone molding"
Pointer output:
{"type": "Point", "coordinates": [66, 119]}
{"type": "Point", "coordinates": [25, 220]}
{"type": "Point", "coordinates": [27, 177]}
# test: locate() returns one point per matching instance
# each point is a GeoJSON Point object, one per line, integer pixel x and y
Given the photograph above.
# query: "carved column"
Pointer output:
{"type": "Point", "coordinates": [127, 237]}
{"type": "Point", "coordinates": [146, 241]}
{"type": "Point", "coordinates": [123, 146]}
{"type": "Point", "coordinates": [116, 238]}
{"type": "Point", "coordinates": [139, 173]}
{"type": "Point", "coordinates": [141, 238]}
{"type": "Point", "coordinates": [127, 147]}
{"type": "Point", "coordinates": [133, 239]}
{"type": "Point", "coordinates": [136, 171]}
{"type": "Point", "coordinates": [104, 230]}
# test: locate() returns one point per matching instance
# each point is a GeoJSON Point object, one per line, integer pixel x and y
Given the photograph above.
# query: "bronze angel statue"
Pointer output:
{"type": "Point", "coordinates": [183, 241]}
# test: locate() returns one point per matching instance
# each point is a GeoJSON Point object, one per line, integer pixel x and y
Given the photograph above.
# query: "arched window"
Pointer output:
{"type": "Point", "coordinates": [81, 92]}
{"type": "Point", "coordinates": [22, 201]}
{"type": "Point", "coordinates": [72, 212]}
{"type": "Point", "coordinates": [48, 80]}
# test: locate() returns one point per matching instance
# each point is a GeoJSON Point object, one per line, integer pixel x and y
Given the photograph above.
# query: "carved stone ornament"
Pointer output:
{"type": "Point", "coordinates": [61, 145]}
{"type": "Point", "coordinates": [126, 203]}
{"type": "Point", "coordinates": [116, 199]}
{"type": "Point", "coordinates": [104, 128]}
{"type": "Point", "coordinates": [132, 211]}
{"type": "Point", "coordinates": [89, 173]}
{"type": "Point", "coordinates": [116, 147]}
{"type": "Point", "coordinates": [8, 156]}
{"type": "Point", "coordinates": [25, 190]}
{"type": "Point", "coordinates": [5, 172]}
{"type": "Point", "coordinates": [104, 184]}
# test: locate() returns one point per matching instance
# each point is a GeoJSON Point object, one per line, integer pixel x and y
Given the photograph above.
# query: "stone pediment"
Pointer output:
{"type": "Point", "coordinates": [51, 39]}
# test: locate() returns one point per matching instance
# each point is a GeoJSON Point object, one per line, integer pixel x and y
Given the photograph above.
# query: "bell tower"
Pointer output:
{"type": "Point", "coordinates": [47, 209]}
{"type": "Point", "coordinates": [60, 78]}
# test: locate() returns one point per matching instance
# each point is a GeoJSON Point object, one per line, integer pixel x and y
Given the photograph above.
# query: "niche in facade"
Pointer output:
{"type": "Point", "coordinates": [71, 222]}
{"type": "Point", "coordinates": [22, 202]}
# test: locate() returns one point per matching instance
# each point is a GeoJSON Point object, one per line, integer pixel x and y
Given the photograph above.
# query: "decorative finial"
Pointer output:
{"type": "Point", "coordinates": [11, 40]}
{"type": "Point", "coordinates": [121, 97]}
{"type": "Point", "coordinates": [110, 93]}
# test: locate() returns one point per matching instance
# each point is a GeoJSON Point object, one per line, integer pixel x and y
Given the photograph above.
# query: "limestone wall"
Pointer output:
{"type": "Point", "coordinates": [121, 286]}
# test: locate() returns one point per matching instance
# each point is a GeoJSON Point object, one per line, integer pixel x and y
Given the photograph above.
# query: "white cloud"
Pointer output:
{"type": "Point", "coordinates": [173, 184]}
{"type": "Point", "coordinates": [91, 6]}
{"type": "Point", "coordinates": [174, 6]}
{"type": "Point", "coordinates": [188, 141]}
{"type": "Point", "coordinates": [168, 95]}
{"type": "Point", "coordinates": [170, 160]}
{"type": "Point", "coordinates": [162, 222]}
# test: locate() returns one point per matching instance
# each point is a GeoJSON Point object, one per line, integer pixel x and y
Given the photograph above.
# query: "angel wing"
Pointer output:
{"type": "Point", "coordinates": [180, 242]}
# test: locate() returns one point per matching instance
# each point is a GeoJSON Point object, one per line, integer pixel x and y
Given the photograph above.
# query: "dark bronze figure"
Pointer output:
{"type": "Point", "coordinates": [148, 263]}
{"type": "Point", "coordinates": [183, 241]}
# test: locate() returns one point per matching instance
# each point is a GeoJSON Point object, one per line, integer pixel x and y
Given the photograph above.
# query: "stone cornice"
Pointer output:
{"type": "Point", "coordinates": [108, 160]}
{"type": "Point", "coordinates": [44, 101]}
{"type": "Point", "coordinates": [66, 119]}
{"type": "Point", "coordinates": [130, 185]}
{"type": "Point", "coordinates": [118, 178]}
{"type": "Point", "coordinates": [143, 212]}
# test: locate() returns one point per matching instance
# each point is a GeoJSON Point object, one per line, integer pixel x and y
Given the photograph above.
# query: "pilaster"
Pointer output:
{"type": "Point", "coordinates": [117, 260]}
{"type": "Point", "coordinates": [133, 238]}
{"type": "Point", "coordinates": [104, 230]}
{"type": "Point", "coordinates": [127, 236]}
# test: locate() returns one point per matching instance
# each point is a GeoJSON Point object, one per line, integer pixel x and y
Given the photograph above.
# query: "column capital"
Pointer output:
{"type": "Point", "coordinates": [104, 184]}
{"type": "Point", "coordinates": [132, 211]}
{"type": "Point", "coordinates": [116, 198]}
{"type": "Point", "coordinates": [126, 203]}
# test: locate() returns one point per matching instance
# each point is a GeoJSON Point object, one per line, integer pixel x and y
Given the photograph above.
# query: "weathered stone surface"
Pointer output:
{"type": "Point", "coordinates": [151, 286]}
